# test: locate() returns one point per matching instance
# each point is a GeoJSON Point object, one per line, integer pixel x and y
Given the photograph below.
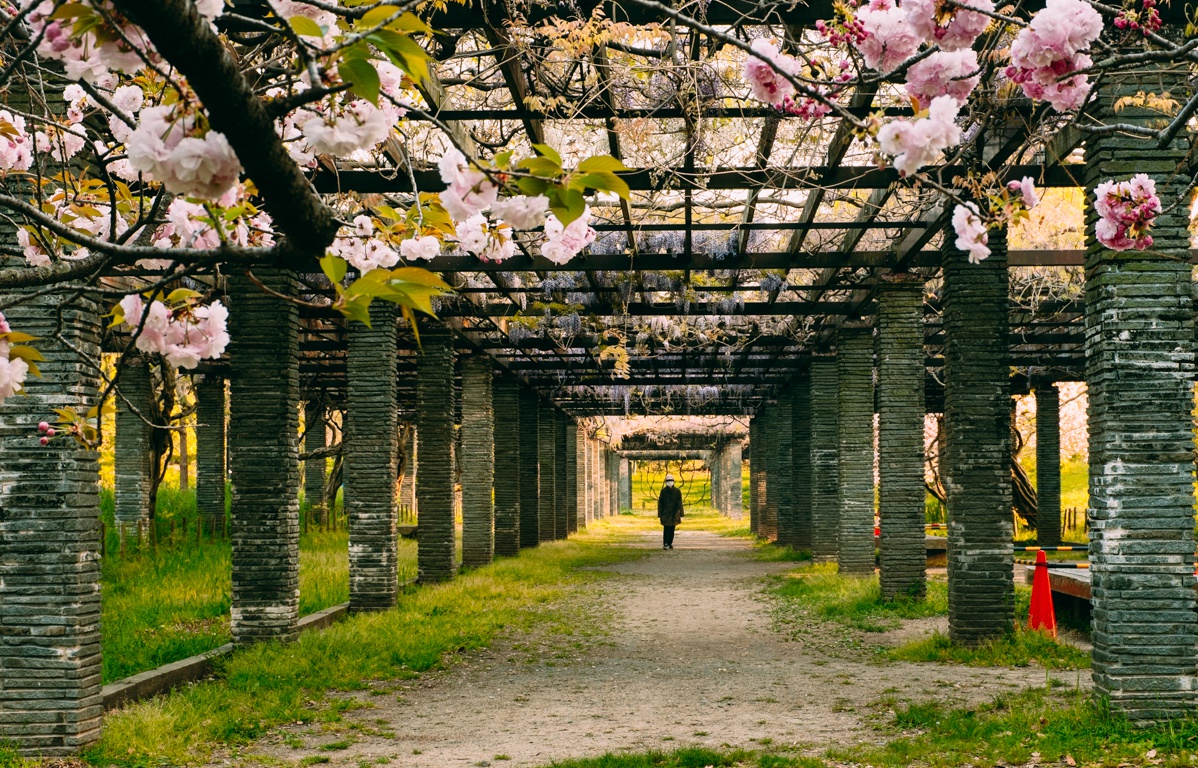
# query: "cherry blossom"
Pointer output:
{"type": "Point", "coordinates": [972, 235]}
{"type": "Point", "coordinates": [362, 249]}
{"type": "Point", "coordinates": [13, 370]}
{"type": "Point", "coordinates": [890, 39]}
{"type": "Point", "coordinates": [63, 142]}
{"type": "Point", "coordinates": [1052, 46]}
{"type": "Point", "coordinates": [563, 243]}
{"type": "Point", "coordinates": [1026, 187]}
{"type": "Point", "coordinates": [468, 190]}
{"type": "Point", "coordinates": [165, 148]}
{"type": "Point", "coordinates": [765, 82]}
{"type": "Point", "coordinates": [951, 28]}
{"type": "Point", "coordinates": [486, 240]}
{"type": "Point", "coordinates": [15, 146]}
{"type": "Point", "coordinates": [919, 142]}
{"type": "Point", "coordinates": [360, 125]}
{"type": "Point", "coordinates": [522, 212]}
{"type": "Point", "coordinates": [423, 248]}
{"type": "Point", "coordinates": [1127, 210]}
{"type": "Point", "coordinates": [86, 41]}
{"type": "Point", "coordinates": [947, 73]}
{"type": "Point", "coordinates": [183, 336]}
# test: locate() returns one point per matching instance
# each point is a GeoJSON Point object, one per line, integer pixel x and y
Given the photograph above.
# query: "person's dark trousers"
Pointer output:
{"type": "Point", "coordinates": [668, 536]}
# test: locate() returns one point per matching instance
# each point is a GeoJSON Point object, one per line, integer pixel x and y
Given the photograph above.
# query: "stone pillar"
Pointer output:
{"type": "Point", "coordinates": [478, 463]}
{"type": "Point", "coordinates": [370, 445]}
{"type": "Point", "coordinates": [855, 528]}
{"type": "Point", "coordinates": [411, 463]}
{"type": "Point", "coordinates": [50, 663]}
{"type": "Point", "coordinates": [315, 438]}
{"type": "Point", "coordinates": [1048, 465]}
{"type": "Point", "coordinates": [508, 470]}
{"type": "Point", "coordinates": [755, 456]}
{"type": "Point", "coordinates": [976, 461]}
{"type": "Point", "coordinates": [901, 410]}
{"type": "Point", "coordinates": [580, 477]}
{"type": "Point", "coordinates": [211, 467]}
{"type": "Point", "coordinates": [264, 456]}
{"type": "Point", "coordinates": [736, 462]}
{"type": "Point", "coordinates": [782, 438]}
{"type": "Point", "coordinates": [713, 468]}
{"type": "Point", "coordinates": [436, 407]}
{"type": "Point", "coordinates": [615, 482]}
{"type": "Point", "coordinates": [530, 466]}
{"type": "Point", "coordinates": [625, 470]}
{"type": "Point", "coordinates": [547, 445]}
{"type": "Point", "coordinates": [561, 492]}
{"type": "Point", "coordinates": [769, 511]}
{"type": "Point", "coordinates": [801, 459]}
{"type": "Point", "coordinates": [131, 455]}
{"type": "Point", "coordinates": [1140, 372]}
{"type": "Point", "coordinates": [571, 463]}
{"type": "Point", "coordinates": [825, 459]}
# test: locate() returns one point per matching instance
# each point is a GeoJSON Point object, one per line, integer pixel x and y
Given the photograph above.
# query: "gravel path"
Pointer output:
{"type": "Point", "coordinates": [689, 658]}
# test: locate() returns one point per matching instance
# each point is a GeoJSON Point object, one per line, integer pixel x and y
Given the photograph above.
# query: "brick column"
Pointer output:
{"type": "Point", "coordinates": [735, 492]}
{"type": "Point", "coordinates": [561, 491]}
{"type": "Point", "coordinates": [264, 457]}
{"type": "Point", "coordinates": [370, 446]}
{"type": "Point", "coordinates": [901, 409]}
{"type": "Point", "coordinates": [855, 528]}
{"type": "Point", "coordinates": [1140, 372]}
{"type": "Point", "coordinates": [773, 484]}
{"type": "Point", "coordinates": [211, 467]}
{"type": "Point", "coordinates": [573, 458]}
{"type": "Point", "coordinates": [782, 438]}
{"type": "Point", "coordinates": [315, 438]}
{"type": "Point", "coordinates": [506, 403]}
{"type": "Point", "coordinates": [436, 407]}
{"type": "Point", "coordinates": [50, 528]}
{"type": "Point", "coordinates": [801, 479]}
{"type": "Point", "coordinates": [547, 458]}
{"type": "Point", "coordinates": [1048, 465]}
{"type": "Point", "coordinates": [976, 462]}
{"type": "Point", "coordinates": [755, 456]}
{"type": "Point", "coordinates": [478, 463]}
{"type": "Point", "coordinates": [131, 455]}
{"type": "Point", "coordinates": [613, 483]}
{"type": "Point", "coordinates": [530, 466]}
{"type": "Point", "coordinates": [825, 459]}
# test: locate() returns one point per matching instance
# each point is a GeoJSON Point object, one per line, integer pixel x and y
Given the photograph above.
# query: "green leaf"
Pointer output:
{"type": "Point", "coordinates": [358, 309]}
{"type": "Point", "coordinates": [532, 186]}
{"type": "Point", "coordinates": [604, 182]}
{"type": "Point", "coordinates": [304, 26]}
{"type": "Point", "coordinates": [362, 77]}
{"type": "Point", "coordinates": [566, 204]}
{"type": "Point", "coordinates": [376, 16]}
{"type": "Point", "coordinates": [410, 22]}
{"type": "Point", "coordinates": [403, 51]}
{"type": "Point", "coordinates": [547, 151]}
{"type": "Point", "coordinates": [545, 167]}
{"type": "Point", "coordinates": [334, 268]}
{"type": "Point", "coordinates": [600, 164]}
{"type": "Point", "coordinates": [503, 159]}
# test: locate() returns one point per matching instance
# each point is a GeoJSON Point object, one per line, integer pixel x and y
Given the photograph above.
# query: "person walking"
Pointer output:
{"type": "Point", "coordinates": [669, 511]}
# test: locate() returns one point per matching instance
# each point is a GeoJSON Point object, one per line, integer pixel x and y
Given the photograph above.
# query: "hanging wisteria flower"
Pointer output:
{"type": "Point", "coordinates": [184, 335]}
{"type": "Point", "coordinates": [15, 147]}
{"type": "Point", "coordinates": [919, 142]}
{"type": "Point", "coordinates": [563, 243]}
{"type": "Point", "coordinates": [890, 39]}
{"type": "Point", "coordinates": [944, 73]}
{"type": "Point", "coordinates": [425, 248]}
{"type": "Point", "coordinates": [360, 125]}
{"type": "Point", "coordinates": [522, 212]}
{"type": "Point", "coordinates": [1051, 46]}
{"type": "Point", "coordinates": [167, 148]}
{"type": "Point", "coordinates": [468, 191]}
{"type": "Point", "coordinates": [946, 25]}
{"type": "Point", "coordinates": [765, 82]}
{"type": "Point", "coordinates": [1027, 190]}
{"type": "Point", "coordinates": [972, 235]}
{"type": "Point", "coordinates": [362, 249]}
{"type": "Point", "coordinates": [1127, 210]}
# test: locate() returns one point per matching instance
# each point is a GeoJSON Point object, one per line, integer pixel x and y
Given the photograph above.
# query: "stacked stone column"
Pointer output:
{"type": "Point", "coordinates": [801, 480]}
{"type": "Point", "coordinates": [571, 464]}
{"type": "Point", "coordinates": [855, 528]}
{"type": "Point", "coordinates": [508, 472]}
{"type": "Point", "coordinates": [782, 438]}
{"type": "Point", "coordinates": [768, 523]}
{"type": "Point", "coordinates": [547, 447]}
{"type": "Point", "coordinates": [580, 477]}
{"type": "Point", "coordinates": [131, 454]}
{"type": "Point", "coordinates": [435, 409]}
{"type": "Point", "coordinates": [825, 459]}
{"type": "Point", "coordinates": [713, 465]}
{"type": "Point", "coordinates": [976, 461]}
{"type": "Point", "coordinates": [901, 410]}
{"type": "Point", "coordinates": [530, 465]}
{"type": "Point", "coordinates": [211, 467]}
{"type": "Point", "coordinates": [1140, 372]}
{"type": "Point", "coordinates": [264, 456]}
{"type": "Point", "coordinates": [561, 490]}
{"type": "Point", "coordinates": [1048, 465]}
{"type": "Point", "coordinates": [478, 463]}
{"type": "Point", "coordinates": [756, 449]}
{"type": "Point", "coordinates": [625, 469]}
{"type": "Point", "coordinates": [50, 664]}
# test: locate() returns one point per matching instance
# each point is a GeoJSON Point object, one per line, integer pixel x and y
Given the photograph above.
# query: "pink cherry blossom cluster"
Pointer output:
{"type": "Point", "coordinates": [93, 39]}
{"type": "Point", "coordinates": [169, 147]}
{"type": "Point", "coordinates": [344, 130]}
{"type": "Point", "coordinates": [894, 33]}
{"type": "Point", "coordinates": [420, 248]}
{"type": "Point", "coordinates": [944, 73]}
{"type": "Point", "coordinates": [1126, 210]}
{"type": "Point", "coordinates": [468, 191]}
{"type": "Point", "coordinates": [563, 243]}
{"type": "Point", "coordinates": [488, 241]}
{"type": "Point", "coordinates": [16, 148]}
{"type": "Point", "coordinates": [1146, 21]}
{"type": "Point", "coordinates": [844, 29]}
{"type": "Point", "coordinates": [13, 370]}
{"type": "Point", "coordinates": [763, 73]}
{"type": "Point", "coordinates": [950, 27]}
{"type": "Point", "coordinates": [919, 142]}
{"type": "Point", "coordinates": [1052, 46]}
{"type": "Point", "coordinates": [362, 249]}
{"type": "Point", "coordinates": [190, 224]}
{"type": "Point", "coordinates": [184, 335]}
{"type": "Point", "coordinates": [972, 233]}
{"type": "Point", "coordinates": [1026, 187]}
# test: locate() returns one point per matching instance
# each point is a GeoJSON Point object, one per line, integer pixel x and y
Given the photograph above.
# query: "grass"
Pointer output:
{"type": "Point", "coordinates": [855, 602]}
{"type": "Point", "coordinates": [693, 757]}
{"type": "Point", "coordinates": [1040, 726]}
{"type": "Point", "coordinates": [264, 685]}
{"type": "Point", "coordinates": [1021, 648]}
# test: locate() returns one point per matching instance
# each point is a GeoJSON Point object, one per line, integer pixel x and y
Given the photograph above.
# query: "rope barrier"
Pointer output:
{"type": "Point", "coordinates": [1070, 548]}
{"type": "Point", "coordinates": [1021, 561]}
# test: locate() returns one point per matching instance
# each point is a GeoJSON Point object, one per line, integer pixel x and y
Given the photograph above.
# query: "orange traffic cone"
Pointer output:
{"type": "Point", "coordinates": [1040, 614]}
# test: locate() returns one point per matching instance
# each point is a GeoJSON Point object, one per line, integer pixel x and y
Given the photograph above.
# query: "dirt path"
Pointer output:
{"type": "Point", "coordinates": [690, 658]}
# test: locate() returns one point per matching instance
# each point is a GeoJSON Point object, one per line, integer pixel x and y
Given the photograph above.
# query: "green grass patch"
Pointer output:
{"type": "Point", "coordinates": [264, 685]}
{"type": "Point", "coordinates": [693, 757]}
{"type": "Point", "coordinates": [854, 601]}
{"type": "Point", "coordinates": [772, 553]}
{"type": "Point", "coordinates": [1021, 648]}
{"type": "Point", "coordinates": [1040, 726]}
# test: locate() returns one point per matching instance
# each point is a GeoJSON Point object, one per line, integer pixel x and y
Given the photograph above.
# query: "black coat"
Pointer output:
{"type": "Point", "coordinates": [669, 506]}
